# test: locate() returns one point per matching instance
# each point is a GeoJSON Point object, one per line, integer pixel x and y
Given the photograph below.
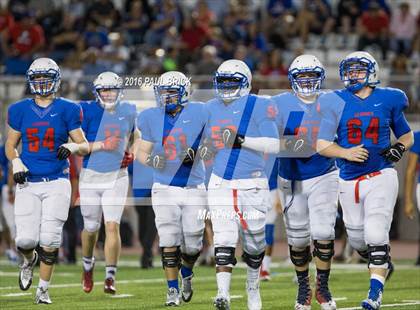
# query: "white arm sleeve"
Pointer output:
{"type": "Point", "coordinates": [262, 144]}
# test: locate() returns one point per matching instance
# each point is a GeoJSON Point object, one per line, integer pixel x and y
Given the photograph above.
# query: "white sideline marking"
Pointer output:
{"type": "Point", "coordinates": [15, 274]}
{"type": "Point", "coordinates": [414, 302]}
{"type": "Point", "coordinates": [121, 296]}
{"type": "Point", "coordinates": [339, 298]}
{"type": "Point", "coordinates": [142, 281]}
{"type": "Point", "coordinates": [236, 296]}
{"type": "Point", "coordinates": [15, 294]}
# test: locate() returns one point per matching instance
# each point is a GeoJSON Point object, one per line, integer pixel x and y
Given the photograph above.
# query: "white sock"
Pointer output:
{"type": "Point", "coordinates": [87, 263]}
{"type": "Point", "coordinates": [378, 277]}
{"type": "Point", "coordinates": [223, 282]}
{"type": "Point", "coordinates": [43, 284]}
{"type": "Point", "coordinates": [252, 274]}
{"type": "Point", "coordinates": [266, 263]}
{"type": "Point", "coordinates": [110, 272]}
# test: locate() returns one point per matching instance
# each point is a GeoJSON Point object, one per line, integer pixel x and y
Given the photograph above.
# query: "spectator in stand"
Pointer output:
{"type": "Point", "coordinates": [366, 4]}
{"type": "Point", "coordinates": [403, 29]}
{"type": "Point", "coordinates": [277, 8]}
{"type": "Point", "coordinates": [168, 15]}
{"type": "Point", "coordinates": [115, 56]}
{"type": "Point", "coordinates": [208, 62]}
{"type": "Point", "coordinates": [103, 12]}
{"type": "Point", "coordinates": [241, 53]}
{"type": "Point", "coordinates": [273, 66]}
{"type": "Point", "coordinates": [203, 16]}
{"type": "Point", "coordinates": [135, 23]}
{"type": "Point", "coordinates": [193, 35]}
{"type": "Point", "coordinates": [373, 29]}
{"type": "Point", "coordinates": [95, 36]}
{"type": "Point", "coordinates": [314, 17]}
{"type": "Point", "coordinates": [348, 12]}
{"type": "Point", "coordinates": [64, 39]}
{"type": "Point", "coordinates": [21, 42]}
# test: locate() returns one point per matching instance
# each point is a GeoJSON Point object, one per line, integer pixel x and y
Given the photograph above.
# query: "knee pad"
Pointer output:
{"type": "Point", "coordinates": [253, 261]}
{"type": "Point", "coordinates": [269, 234]}
{"type": "Point", "coordinates": [190, 259]}
{"type": "Point", "coordinates": [48, 258]}
{"type": "Point", "coordinates": [300, 258]}
{"type": "Point", "coordinates": [26, 244]}
{"type": "Point", "coordinates": [225, 256]}
{"type": "Point", "coordinates": [378, 256]}
{"type": "Point", "coordinates": [171, 259]}
{"type": "Point", "coordinates": [91, 225]}
{"type": "Point", "coordinates": [324, 251]}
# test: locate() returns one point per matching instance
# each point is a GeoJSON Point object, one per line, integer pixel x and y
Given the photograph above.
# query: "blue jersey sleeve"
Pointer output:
{"type": "Point", "coordinates": [330, 111]}
{"type": "Point", "coordinates": [399, 124]}
{"type": "Point", "coordinates": [416, 146]}
{"type": "Point", "coordinates": [144, 127]}
{"type": "Point", "coordinates": [74, 116]}
{"type": "Point", "coordinates": [14, 117]}
{"type": "Point", "coordinates": [265, 113]}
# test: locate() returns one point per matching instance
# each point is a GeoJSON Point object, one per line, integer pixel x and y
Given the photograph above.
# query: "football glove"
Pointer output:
{"type": "Point", "coordinates": [111, 143]}
{"type": "Point", "coordinates": [66, 149]}
{"type": "Point", "coordinates": [127, 159]}
{"type": "Point", "coordinates": [393, 153]}
{"type": "Point", "coordinates": [231, 139]}
{"type": "Point", "coordinates": [20, 171]}
{"type": "Point", "coordinates": [206, 151]}
{"type": "Point", "coordinates": [187, 156]}
{"type": "Point", "coordinates": [156, 161]}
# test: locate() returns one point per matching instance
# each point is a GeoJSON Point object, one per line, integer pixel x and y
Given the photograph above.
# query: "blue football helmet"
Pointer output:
{"type": "Point", "coordinates": [359, 62]}
{"type": "Point", "coordinates": [43, 77]}
{"type": "Point", "coordinates": [306, 74]}
{"type": "Point", "coordinates": [172, 90]}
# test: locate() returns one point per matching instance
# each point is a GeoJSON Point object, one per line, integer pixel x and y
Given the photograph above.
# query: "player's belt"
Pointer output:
{"type": "Point", "coordinates": [40, 179]}
{"type": "Point", "coordinates": [361, 178]}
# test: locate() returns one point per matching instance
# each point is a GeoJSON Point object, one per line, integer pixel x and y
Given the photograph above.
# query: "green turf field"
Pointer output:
{"type": "Point", "coordinates": [146, 289]}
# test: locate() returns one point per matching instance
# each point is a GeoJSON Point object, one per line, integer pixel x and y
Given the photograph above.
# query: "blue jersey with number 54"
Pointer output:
{"type": "Point", "coordinates": [366, 121]}
{"type": "Point", "coordinates": [43, 130]}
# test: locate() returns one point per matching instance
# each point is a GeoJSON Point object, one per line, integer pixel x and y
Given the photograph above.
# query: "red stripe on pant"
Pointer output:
{"type": "Point", "coordinates": [361, 178]}
{"type": "Point", "coordinates": [235, 207]}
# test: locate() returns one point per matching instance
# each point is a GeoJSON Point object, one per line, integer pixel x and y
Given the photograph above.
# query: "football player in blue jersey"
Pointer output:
{"type": "Point", "coordinates": [241, 128]}
{"type": "Point", "coordinates": [410, 174]}
{"type": "Point", "coordinates": [108, 124]}
{"type": "Point", "coordinates": [361, 117]}
{"type": "Point", "coordinates": [308, 182]}
{"type": "Point", "coordinates": [43, 124]}
{"type": "Point", "coordinates": [170, 137]}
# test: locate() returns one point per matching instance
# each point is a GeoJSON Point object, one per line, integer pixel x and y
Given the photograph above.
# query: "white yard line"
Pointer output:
{"type": "Point", "coordinates": [142, 281]}
{"type": "Point", "coordinates": [121, 296]}
{"type": "Point", "coordinates": [16, 294]}
{"type": "Point", "coordinates": [15, 274]}
{"type": "Point", "coordinates": [417, 302]}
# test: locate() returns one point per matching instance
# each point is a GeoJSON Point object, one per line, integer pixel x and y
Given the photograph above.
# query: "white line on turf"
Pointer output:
{"type": "Point", "coordinates": [15, 294]}
{"type": "Point", "coordinates": [413, 303]}
{"type": "Point", "coordinates": [340, 298]}
{"type": "Point", "coordinates": [144, 281]}
{"type": "Point", "coordinates": [121, 296]}
{"type": "Point", "coordinates": [15, 274]}
{"type": "Point", "coordinates": [236, 296]}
